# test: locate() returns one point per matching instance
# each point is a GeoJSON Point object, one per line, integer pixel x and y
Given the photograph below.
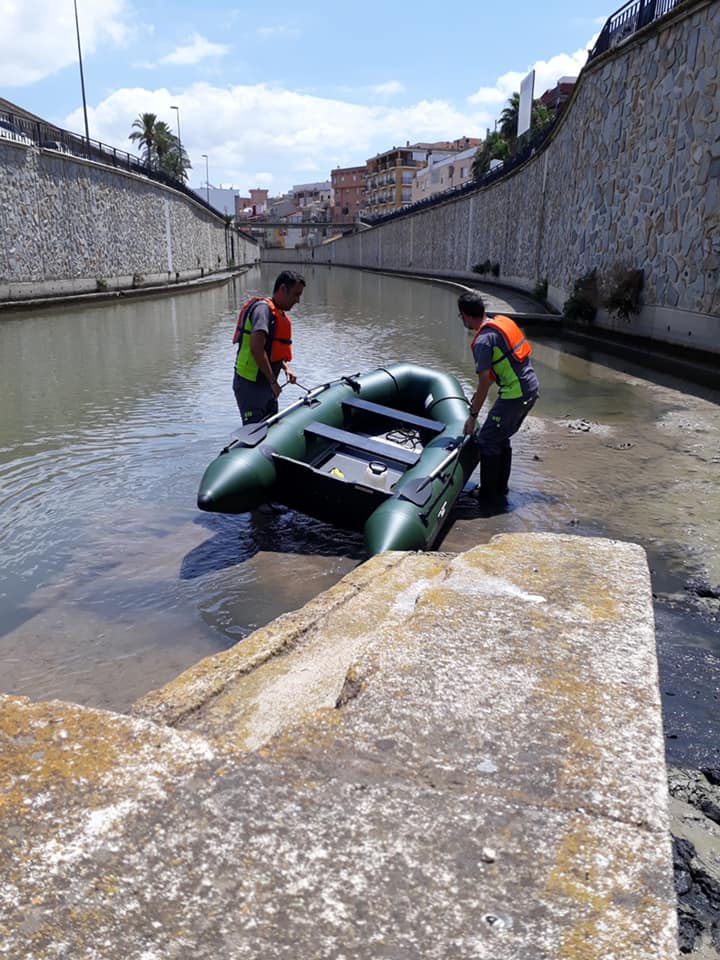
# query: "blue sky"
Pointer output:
{"type": "Point", "coordinates": [279, 94]}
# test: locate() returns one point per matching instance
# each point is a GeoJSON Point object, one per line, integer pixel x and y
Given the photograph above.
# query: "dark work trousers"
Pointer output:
{"type": "Point", "coordinates": [254, 399]}
{"type": "Point", "coordinates": [504, 420]}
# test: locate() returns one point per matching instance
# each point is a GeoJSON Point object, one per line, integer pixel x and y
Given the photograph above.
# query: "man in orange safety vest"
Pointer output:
{"type": "Point", "coordinates": [502, 354]}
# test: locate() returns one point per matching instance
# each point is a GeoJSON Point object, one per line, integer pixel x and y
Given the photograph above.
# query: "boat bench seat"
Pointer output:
{"type": "Point", "coordinates": [398, 416]}
{"type": "Point", "coordinates": [354, 441]}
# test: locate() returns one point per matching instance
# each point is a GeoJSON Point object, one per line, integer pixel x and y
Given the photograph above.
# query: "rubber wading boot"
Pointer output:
{"type": "Point", "coordinates": [491, 476]}
{"type": "Point", "coordinates": [506, 466]}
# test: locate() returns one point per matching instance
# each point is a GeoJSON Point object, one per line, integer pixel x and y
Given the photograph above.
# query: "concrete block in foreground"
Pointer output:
{"type": "Point", "coordinates": [441, 757]}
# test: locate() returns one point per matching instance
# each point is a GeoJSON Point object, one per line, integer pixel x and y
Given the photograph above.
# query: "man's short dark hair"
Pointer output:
{"type": "Point", "coordinates": [472, 304]}
{"type": "Point", "coordinates": [288, 278]}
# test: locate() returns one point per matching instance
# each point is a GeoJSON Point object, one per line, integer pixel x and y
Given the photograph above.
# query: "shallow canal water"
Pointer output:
{"type": "Point", "coordinates": [112, 582]}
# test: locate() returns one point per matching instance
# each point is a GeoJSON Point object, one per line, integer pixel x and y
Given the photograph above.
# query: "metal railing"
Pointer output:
{"type": "Point", "coordinates": [628, 20]}
{"type": "Point", "coordinates": [49, 137]}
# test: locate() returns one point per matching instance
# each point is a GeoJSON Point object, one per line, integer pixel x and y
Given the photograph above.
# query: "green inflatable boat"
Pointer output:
{"type": "Point", "coordinates": [382, 452]}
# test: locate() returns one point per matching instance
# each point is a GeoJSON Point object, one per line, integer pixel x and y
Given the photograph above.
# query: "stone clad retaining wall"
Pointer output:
{"type": "Point", "coordinates": [631, 176]}
{"type": "Point", "coordinates": [68, 225]}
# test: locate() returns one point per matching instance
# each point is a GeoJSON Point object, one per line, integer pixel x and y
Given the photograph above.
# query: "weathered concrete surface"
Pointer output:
{"type": "Point", "coordinates": [444, 756]}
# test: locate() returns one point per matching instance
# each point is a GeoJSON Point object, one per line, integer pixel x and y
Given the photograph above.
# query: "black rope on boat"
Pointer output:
{"type": "Point", "coordinates": [440, 400]}
{"type": "Point", "coordinates": [384, 370]}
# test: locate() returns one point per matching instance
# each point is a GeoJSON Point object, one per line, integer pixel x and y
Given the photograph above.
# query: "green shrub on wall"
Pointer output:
{"type": "Point", "coordinates": [582, 304]}
{"type": "Point", "coordinates": [540, 290]}
{"type": "Point", "coordinates": [484, 267]}
{"type": "Point", "coordinates": [487, 266]}
{"type": "Point", "coordinates": [621, 291]}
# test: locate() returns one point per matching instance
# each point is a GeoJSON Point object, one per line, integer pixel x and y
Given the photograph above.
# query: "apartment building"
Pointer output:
{"type": "Point", "coordinates": [556, 98]}
{"type": "Point", "coordinates": [316, 195]}
{"type": "Point", "coordinates": [254, 205]}
{"type": "Point", "coordinates": [389, 177]}
{"type": "Point", "coordinates": [444, 171]}
{"type": "Point", "coordinates": [348, 192]}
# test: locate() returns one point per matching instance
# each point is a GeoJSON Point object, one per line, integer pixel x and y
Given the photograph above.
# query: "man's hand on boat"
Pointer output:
{"type": "Point", "coordinates": [291, 378]}
{"type": "Point", "coordinates": [277, 387]}
{"type": "Point", "coordinates": [470, 425]}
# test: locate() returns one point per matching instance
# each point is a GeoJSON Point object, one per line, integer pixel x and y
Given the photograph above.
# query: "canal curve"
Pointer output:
{"type": "Point", "coordinates": [113, 582]}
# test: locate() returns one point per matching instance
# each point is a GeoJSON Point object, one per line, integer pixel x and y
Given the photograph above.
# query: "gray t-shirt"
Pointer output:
{"type": "Point", "coordinates": [515, 378]}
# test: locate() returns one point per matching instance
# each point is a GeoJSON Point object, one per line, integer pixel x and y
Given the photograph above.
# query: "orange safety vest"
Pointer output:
{"type": "Point", "coordinates": [279, 340]}
{"type": "Point", "coordinates": [517, 343]}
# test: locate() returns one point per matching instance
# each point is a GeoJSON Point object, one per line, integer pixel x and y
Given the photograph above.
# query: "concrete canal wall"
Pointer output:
{"type": "Point", "coordinates": [630, 179]}
{"type": "Point", "coordinates": [73, 226]}
{"type": "Point", "coordinates": [441, 756]}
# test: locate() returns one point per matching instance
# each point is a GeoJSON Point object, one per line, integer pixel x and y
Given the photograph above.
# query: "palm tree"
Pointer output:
{"type": "Point", "coordinates": [509, 118]}
{"type": "Point", "coordinates": [143, 132]}
{"type": "Point", "coordinates": [161, 149]}
{"type": "Point", "coordinates": [164, 141]}
{"type": "Point", "coordinates": [176, 162]}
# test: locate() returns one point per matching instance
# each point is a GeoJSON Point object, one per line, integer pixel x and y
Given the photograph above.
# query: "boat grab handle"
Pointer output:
{"type": "Point", "coordinates": [418, 491]}
{"type": "Point", "coordinates": [254, 433]}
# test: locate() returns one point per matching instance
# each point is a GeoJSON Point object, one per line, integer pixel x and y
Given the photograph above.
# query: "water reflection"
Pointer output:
{"type": "Point", "coordinates": [113, 582]}
{"type": "Point", "coordinates": [236, 539]}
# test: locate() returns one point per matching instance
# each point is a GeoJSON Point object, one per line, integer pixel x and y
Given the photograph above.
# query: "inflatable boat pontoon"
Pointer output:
{"type": "Point", "coordinates": [382, 452]}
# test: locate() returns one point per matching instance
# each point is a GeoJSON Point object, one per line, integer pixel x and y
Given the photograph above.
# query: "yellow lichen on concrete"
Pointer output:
{"type": "Point", "coordinates": [59, 748]}
{"type": "Point", "coordinates": [41, 745]}
{"type": "Point", "coordinates": [365, 751]}
{"type": "Point", "coordinates": [603, 923]}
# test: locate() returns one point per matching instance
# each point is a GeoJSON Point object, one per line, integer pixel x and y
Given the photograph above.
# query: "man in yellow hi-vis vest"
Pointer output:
{"type": "Point", "coordinates": [502, 354]}
{"type": "Point", "coordinates": [264, 337]}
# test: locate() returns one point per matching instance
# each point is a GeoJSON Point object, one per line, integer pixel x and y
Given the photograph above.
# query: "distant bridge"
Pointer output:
{"type": "Point", "coordinates": [305, 225]}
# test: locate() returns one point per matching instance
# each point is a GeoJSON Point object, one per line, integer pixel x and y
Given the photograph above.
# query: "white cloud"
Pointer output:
{"type": "Point", "coordinates": [28, 54]}
{"type": "Point", "coordinates": [547, 74]}
{"type": "Point", "coordinates": [198, 49]}
{"type": "Point", "coordinates": [285, 134]}
{"type": "Point", "coordinates": [258, 134]}
{"type": "Point", "coordinates": [385, 89]}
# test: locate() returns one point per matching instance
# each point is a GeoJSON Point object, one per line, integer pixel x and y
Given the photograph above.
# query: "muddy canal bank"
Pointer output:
{"type": "Point", "coordinates": [634, 459]}
{"type": "Point", "coordinates": [652, 479]}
